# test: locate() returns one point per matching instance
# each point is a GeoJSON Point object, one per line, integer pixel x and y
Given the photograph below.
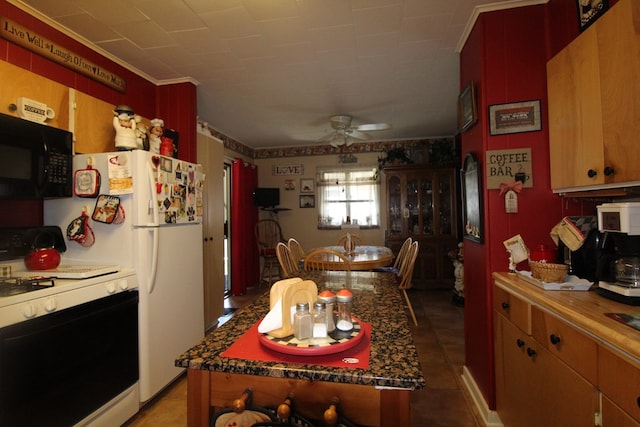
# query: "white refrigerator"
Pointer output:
{"type": "Point", "coordinates": [157, 231]}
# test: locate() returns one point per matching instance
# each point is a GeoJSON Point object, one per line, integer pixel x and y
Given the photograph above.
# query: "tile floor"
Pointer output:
{"type": "Point", "coordinates": [439, 339]}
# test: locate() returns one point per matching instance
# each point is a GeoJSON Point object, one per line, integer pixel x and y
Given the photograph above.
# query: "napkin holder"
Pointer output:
{"type": "Point", "coordinates": [289, 294]}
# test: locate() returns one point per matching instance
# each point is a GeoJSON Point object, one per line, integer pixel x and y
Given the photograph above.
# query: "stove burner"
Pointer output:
{"type": "Point", "coordinates": [19, 285]}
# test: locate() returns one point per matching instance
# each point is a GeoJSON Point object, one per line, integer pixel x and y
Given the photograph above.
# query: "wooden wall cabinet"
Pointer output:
{"type": "Point", "coordinates": [422, 204]}
{"type": "Point", "coordinates": [594, 103]}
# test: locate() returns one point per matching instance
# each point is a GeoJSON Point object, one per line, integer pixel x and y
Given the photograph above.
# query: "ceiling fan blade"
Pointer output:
{"type": "Point", "coordinates": [327, 137]}
{"type": "Point", "coordinates": [373, 126]}
{"type": "Point", "coordinates": [353, 133]}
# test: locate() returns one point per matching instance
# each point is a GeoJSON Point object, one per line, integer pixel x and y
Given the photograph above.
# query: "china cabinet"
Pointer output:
{"type": "Point", "coordinates": [422, 204]}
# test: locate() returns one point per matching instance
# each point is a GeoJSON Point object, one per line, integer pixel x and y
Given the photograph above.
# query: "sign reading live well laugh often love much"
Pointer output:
{"type": "Point", "coordinates": [26, 38]}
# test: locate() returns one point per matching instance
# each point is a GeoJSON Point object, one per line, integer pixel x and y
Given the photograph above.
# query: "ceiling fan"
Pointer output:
{"type": "Point", "coordinates": [344, 133]}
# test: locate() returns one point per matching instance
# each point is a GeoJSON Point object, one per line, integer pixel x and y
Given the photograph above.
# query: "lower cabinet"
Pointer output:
{"type": "Point", "coordinates": [535, 388]}
{"type": "Point", "coordinates": [550, 372]}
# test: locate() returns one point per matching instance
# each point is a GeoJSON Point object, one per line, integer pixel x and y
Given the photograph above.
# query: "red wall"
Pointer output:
{"type": "Point", "coordinates": [176, 103]}
{"type": "Point", "coordinates": [506, 54]}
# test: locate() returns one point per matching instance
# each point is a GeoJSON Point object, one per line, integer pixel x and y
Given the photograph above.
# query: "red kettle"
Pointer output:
{"type": "Point", "coordinates": [42, 259]}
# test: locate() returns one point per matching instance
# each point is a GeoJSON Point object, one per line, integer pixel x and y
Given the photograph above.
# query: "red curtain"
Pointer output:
{"type": "Point", "coordinates": [245, 262]}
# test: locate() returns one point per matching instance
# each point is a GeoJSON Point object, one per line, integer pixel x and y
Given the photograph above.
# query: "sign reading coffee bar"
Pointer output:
{"type": "Point", "coordinates": [34, 42]}
{"type": "Point", "coordinates": [509, 165]}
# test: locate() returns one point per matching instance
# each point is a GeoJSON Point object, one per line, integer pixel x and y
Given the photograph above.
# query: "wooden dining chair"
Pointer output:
{"type": "Point", "coordinates": [268, 234]}
{"type": "Point", "coordinates": [405, 276]}
{"type": "Point", "coordinates": [297, 251]}
{"type": "Point", "coordinates": [288, 265]}
{"type": "Point", "coordinates": [326, 259]}
{"type": "Point", "coordinates": [402, 253]}
{"type": "Point", "coordinates": [359, 241]}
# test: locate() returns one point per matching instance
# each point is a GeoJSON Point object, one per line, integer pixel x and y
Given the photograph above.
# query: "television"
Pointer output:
{"type": "Point", "coordinates": [266, 197]}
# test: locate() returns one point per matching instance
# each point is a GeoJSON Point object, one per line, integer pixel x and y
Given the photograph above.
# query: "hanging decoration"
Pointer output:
{"type": "Point", "coordinates": [510, 191]}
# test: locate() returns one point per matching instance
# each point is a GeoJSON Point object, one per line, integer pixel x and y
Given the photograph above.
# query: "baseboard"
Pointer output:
{"type": "Point", "coordinates": [489, 417]}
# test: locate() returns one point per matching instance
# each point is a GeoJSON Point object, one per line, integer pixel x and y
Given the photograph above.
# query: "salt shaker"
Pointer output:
{"type": "Point", "coordinates": [344, 298]}
{"type": "Point", "coordinates": [302, 321]}
{"type": "Point", "coordinates": [329, 299]}
{"type": "Point", "coordinates": [319, 320]}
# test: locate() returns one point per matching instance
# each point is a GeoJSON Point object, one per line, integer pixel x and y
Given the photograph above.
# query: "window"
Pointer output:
{"type": "Point", "coordinates": [348, 194]}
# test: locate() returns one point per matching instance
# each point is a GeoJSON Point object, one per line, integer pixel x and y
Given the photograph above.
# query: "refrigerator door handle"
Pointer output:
{"type": "Point", "coordinates": [155, 243]}
{"type": "Point", "coordinates": [153, 202]}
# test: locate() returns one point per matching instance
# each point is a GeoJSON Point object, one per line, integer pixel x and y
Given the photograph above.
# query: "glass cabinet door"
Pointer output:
{"type": "Point", "coordinates": [395, 205]}
{"type": "Point", "coordinates": [426, 205]}
{"type": "Point", "coordinates": [412, 205]}
{"type": "Point", "coordinates": [445, 196]}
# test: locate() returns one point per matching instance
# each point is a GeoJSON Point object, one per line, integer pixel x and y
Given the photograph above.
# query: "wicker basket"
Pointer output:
{"type": "Point", "coordinates": [549, 272]}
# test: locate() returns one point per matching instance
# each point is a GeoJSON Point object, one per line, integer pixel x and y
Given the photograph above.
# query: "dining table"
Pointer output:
{"type": "Point", "coordinates": [372, 381]}
{"type": "Point", "coordinates": [364, 257]}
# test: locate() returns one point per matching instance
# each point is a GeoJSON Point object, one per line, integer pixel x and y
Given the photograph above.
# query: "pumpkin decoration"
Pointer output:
{"type": "Point", "coordinates": [241, 414]}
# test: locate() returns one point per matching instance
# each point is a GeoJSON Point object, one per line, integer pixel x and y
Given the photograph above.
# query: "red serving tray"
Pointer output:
{"type": "Point", "coordinates": [336, 342]}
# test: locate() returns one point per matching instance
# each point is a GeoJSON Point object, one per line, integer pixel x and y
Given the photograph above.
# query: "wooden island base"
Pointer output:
{"type": "Point", "coordinates": [208, 391]}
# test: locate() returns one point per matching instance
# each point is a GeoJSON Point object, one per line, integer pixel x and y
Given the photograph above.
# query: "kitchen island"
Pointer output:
{"type": "Point", "coordinates": [377, 395]}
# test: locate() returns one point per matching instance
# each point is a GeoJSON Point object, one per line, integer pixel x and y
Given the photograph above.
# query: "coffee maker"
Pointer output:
{"type": "Point", "coordinates": [619, 271]}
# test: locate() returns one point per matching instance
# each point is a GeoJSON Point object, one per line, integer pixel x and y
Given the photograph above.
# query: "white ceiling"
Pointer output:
{"type": "Point", "coordinates": [270, 73]}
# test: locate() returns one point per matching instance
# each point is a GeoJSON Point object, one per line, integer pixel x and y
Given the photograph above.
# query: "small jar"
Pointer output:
{"type": "Point", "coordinates": [344, 299]}
{"type": "Point", "coordinates": [302, 322]}
{"type": "Point", "coordinates": [319, 320]}
{"type": "Point", "coordinates": [329, 299]}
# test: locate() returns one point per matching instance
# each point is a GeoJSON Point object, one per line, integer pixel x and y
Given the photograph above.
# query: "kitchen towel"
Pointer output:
{"type": "Point", "coordinates": [248, 347]}
{"type": "Point", "coordinates": [573, 230]}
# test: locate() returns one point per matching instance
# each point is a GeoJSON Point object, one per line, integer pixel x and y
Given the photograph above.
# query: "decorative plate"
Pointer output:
{"type": "Point", "coordinates": [336, 342]}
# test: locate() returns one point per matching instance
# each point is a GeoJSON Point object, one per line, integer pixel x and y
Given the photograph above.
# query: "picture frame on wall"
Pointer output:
{"type": "Point", "coordinates": [467, 108]}
{"type": "Point", "coordinates": [515, 117]}
{"type": "Point", "coordinates": [307, 185]}
{"type": "Point", "coordinates": [589, 11]}
{"type": "Point", "coordinates": [308, 201]}
{"type": "Point", "coordinates": [472, 217]}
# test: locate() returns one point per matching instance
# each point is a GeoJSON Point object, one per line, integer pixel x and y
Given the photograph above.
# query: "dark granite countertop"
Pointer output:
{"type": "Point", "coordinates": [377, 300]}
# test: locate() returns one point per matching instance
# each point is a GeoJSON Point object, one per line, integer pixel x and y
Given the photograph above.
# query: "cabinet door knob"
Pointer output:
{"type": "Point", "coordinates": [505, 305]}
{"type": "Point", "coordinates": [531, 352]}
{"type": "Point", "coordinates": [519, 343]}
{"type": "Point", "coordinates": [591, 173]}
{"type": "Point", "coordinates": [608, 171]}
{"type": "Point", "coordinates": [554, 339]}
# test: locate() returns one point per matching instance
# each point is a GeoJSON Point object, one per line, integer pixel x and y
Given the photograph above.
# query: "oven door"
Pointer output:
{"type": "Point", "coordinates": [57, 369]}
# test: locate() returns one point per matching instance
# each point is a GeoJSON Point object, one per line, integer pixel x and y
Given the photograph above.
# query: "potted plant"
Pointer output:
{"type": "Point", "coordinates": [394, 156]}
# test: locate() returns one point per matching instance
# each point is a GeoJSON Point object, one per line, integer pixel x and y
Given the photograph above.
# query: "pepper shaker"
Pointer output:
{"type": "Point", "coordinates": [302, 321]}
{"type": "Point", "coordinates": [329, 299]}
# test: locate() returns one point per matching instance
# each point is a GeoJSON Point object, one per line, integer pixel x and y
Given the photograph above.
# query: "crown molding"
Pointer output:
{"type": "Point", "coordinates": [491, 7]}
{"type": "Point", "coordinates": [90, 45]}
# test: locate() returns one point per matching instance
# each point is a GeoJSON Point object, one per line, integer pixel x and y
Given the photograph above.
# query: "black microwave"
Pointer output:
{"type": "Point", "coordinates": [36, 161]}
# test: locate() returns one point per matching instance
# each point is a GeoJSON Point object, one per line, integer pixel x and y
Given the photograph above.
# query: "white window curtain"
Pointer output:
{"type": "Point", "coordinates": [348, 195]}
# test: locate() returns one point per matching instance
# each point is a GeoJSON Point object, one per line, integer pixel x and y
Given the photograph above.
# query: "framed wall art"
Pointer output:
{"type": "Point", "coordinates": [515, 117]}
{"type": "Point", "coordinates": [472, 217]}
{"type": "Point", "coordinates": [308, 201]}
{"type": "Point", "coordinates": [467, 109]}
{"type": "Point", "coordinates": [307, 185]}
{"type": "Point", "coordinates": [589, 11]}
